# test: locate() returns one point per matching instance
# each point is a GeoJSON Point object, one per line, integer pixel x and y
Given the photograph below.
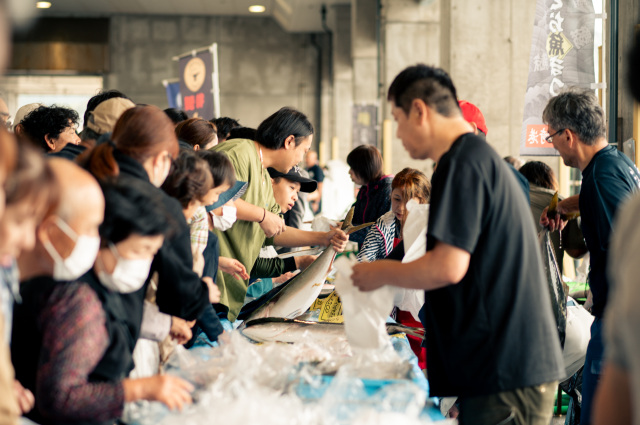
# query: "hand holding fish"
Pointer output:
{"type": "Point", "coordinates": [337, 238]}
{"type": "Point", "coordinates": [272, 224]}
{"type": "Point", "coordinates": [551, 221]}
{"type": "Point", "coordinates": [368, 276]}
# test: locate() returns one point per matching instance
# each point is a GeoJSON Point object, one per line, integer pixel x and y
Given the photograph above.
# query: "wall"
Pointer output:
{"type": "Point", "coordinates": [262, 68]}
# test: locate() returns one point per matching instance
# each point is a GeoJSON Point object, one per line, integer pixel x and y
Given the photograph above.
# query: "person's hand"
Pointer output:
{"type": "Point", "coordinates": [283, 278]}
{"type": "Point", "coordinates": [366, 276]}
{"type": "Point", "coordinates": [214, 292]}
{"type": "Point", "coordinates": [181, 329]}
{"type": "Point", "coordinates": [233, 267]}
{"type": "Point", "coordinates": [170, 390]}
{"type": "Point", "coordinates": [273, 224]}
{"type": "Point", "coordinates": [25, 398]}
{"type": "Point", "coordinates": [337, 238]}
{"type": "Point", "coordinates": [304, 261]}
{"type": "Point", "coordinates": [553, 223]}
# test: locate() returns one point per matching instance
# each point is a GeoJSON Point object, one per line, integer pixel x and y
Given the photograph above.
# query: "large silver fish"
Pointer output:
{"type": "Point", "coordinates": [276, 329]}
{"type": "Point", "coordinates": [297, 295]}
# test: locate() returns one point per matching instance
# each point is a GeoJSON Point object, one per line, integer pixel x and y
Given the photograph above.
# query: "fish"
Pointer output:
{"type": "Point", "coordinates": [553, 210]}
{"type": "Point", "coordinates": [294, 297]}
{"type": "Point", "coordinates": [277, 329]}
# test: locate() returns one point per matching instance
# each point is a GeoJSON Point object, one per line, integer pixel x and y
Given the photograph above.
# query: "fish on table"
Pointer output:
{"type": "Point", "coordinates": [293, 298]}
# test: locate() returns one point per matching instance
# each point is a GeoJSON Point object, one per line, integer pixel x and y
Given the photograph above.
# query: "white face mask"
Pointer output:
{"type": "Point", "coordinates": [225, 221]}
{"type": "Point", "coordinates": [161, 175]}
{"type": "Point", "coordinates": [82, 256]}
{"type": "Point", "coordinates": [128, 275]}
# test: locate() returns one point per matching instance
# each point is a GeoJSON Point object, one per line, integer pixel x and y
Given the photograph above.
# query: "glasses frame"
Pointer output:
{"type": "Point", "coordinates": [551, 136]}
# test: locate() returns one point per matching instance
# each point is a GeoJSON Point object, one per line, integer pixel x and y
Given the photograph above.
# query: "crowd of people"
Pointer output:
{"type": "Point", "coordinates": [149, 225]}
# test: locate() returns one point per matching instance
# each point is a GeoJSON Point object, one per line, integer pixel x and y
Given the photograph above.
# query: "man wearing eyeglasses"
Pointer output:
{"type": "Point", "coordinates": [577, 129]}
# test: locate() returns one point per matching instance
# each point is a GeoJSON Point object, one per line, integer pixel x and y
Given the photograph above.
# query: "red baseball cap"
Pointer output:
{"type": "Point", "coordinates": [471, 113]}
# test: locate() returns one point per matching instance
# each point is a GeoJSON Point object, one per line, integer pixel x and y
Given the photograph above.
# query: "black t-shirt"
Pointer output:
{"type": "Point", "coordinates": [607, 181]}
{"type": "Point", "coordinates": [316, 173]}
{"type": "Point", "coordinates": [494, 330]}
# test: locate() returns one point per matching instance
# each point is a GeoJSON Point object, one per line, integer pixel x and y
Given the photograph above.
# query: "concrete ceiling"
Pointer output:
{"type": "Point", "coordinates": [292, 15]}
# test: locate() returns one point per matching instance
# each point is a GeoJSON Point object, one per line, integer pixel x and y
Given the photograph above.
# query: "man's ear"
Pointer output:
{"type": "Point", "coordinates": [196, 147]}
{"type": "Point", "coordinates": [50, 142]}
{"type": "Point", "coordinates": [571, 138]}
{"type": "Point", "coordinates": [475, 127]}
{"type": "Point", "coordinates": [289, 142]}
{"type": "Point", "coordinates": [420, 108]}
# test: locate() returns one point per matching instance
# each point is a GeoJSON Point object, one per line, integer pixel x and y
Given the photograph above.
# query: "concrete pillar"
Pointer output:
{"type": "Point", "coordinates": [342, 82]}
{"type": "Point", "coordinates": [411, 34]}
{"type": "Point", "coordinates": [364, 50]}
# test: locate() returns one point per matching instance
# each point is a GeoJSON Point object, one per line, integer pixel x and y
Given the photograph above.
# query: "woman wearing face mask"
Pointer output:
{"type": "Point", "coordinates": [143, 147]}
{"type": "Point", "coordinates": [30, 192]}
{"type": "Point", "coordinates": [89, 340]}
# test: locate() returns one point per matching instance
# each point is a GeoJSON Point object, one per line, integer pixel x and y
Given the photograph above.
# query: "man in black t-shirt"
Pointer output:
{"type": "Point", "coordinates": [491, 337]}
{"type": "Point", "coordinates": [577, 129]}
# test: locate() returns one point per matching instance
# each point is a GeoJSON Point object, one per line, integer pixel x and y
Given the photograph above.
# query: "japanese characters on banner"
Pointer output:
{"type": "Point", "coordinates": [561, 57]}
{"type": "Point", "coordinates": [198, 83]}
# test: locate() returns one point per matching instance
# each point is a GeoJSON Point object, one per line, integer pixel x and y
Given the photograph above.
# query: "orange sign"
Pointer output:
{"type": "Point", "coordinates": [536, 137]}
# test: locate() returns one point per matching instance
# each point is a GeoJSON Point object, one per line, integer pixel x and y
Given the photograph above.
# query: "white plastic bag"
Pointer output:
{"type": "Point", "coordinates": [365, 313]}
{"type": "Point", "coordinates": [414, 235]}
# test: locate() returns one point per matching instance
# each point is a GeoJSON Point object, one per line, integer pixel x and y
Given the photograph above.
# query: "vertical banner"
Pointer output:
{"type": "Point", "coordinates": [365, 125]}
{"type": "Point", "coordinates": [197, 74]}
{"type": "Point", "coordinates": [172, 87]}
{"type": "Point", "coordinates": [561, 57]}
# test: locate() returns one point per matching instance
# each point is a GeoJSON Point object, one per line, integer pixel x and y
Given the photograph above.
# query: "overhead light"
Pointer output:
{"type": "Point", "coordinates": [257, 8]}
{"type": "Point", "coordinates": [43, 5]}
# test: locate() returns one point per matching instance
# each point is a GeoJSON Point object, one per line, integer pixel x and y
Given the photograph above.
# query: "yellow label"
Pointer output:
{"type": "Point", "coordinates": [317, 304]}
{"type": "Point", "coordinates": [331, 309]}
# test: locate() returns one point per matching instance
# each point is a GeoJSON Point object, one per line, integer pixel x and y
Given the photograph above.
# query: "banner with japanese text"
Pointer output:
{"type": "Point", "coordinates": [197, 80]}
{"type": "Point", "coordinates": [562, 56]}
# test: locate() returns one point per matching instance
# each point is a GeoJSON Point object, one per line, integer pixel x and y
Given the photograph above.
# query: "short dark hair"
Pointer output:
{"type": "Point", "coordinates": [286, 122]}
{"type": "Point", "coordinates": [176, 115]}
{"type": "Point", "coordinates": [243, 133]}
{"type": "Point", "coordinates": [131, 208]}
{"type": "Point", "coordinates": [224, 125]}
{"type": "Point", "coordinates": [220, 166]}
{"type": "Point", "coordinates": [190, 179]}
{"type": "Point", "coordinates": [366, 162]}
{"type": "Point", "coordinates": [431, 85]}
{"type": "Point", "coordinates": [577, 110]}
{"type": "Point", "coordinates": [540, 174]}
{"type": "Point", "coordinates": [47, 120]}
{"type": "Point", "coordinates": [99, 98]}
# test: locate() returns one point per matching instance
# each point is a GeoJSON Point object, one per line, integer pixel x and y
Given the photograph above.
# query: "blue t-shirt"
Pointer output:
{"type": "Point", "coordinates": [608, 180]}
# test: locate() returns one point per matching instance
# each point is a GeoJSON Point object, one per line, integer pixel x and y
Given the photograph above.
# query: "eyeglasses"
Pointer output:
{"type": "Point", "coordinates": [551, 136]}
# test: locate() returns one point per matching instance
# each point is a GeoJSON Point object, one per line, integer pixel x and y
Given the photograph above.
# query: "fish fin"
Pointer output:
{"type": "Point", "coordinates": [553, 206]}
{"type": "Point", "coordinates": [347, 220]}
{"type": "Point", "coordinates": [351, 229]}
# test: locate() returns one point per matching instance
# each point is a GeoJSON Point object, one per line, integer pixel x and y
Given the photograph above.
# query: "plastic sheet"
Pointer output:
{"type": "Point", "coordinates": [414, 234]}
{"type": "Point", "coordinates": [243, 383]}
{"type": "Point", "coordinates": [365, 313]}
{"type": "Point", "coordinates": [554, 284]}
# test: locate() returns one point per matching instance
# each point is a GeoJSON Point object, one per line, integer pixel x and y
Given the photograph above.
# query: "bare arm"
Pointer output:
{"type": "Point", "coordinates": [295, 237]}
{"type": "Point", "coordinates": [271, 224]}
{"type": "Point", "coordinates": [444, 265]}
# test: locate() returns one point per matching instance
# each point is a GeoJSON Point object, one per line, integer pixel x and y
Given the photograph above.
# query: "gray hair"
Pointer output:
{"type": "Point", "coordinates": [577, 110]}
